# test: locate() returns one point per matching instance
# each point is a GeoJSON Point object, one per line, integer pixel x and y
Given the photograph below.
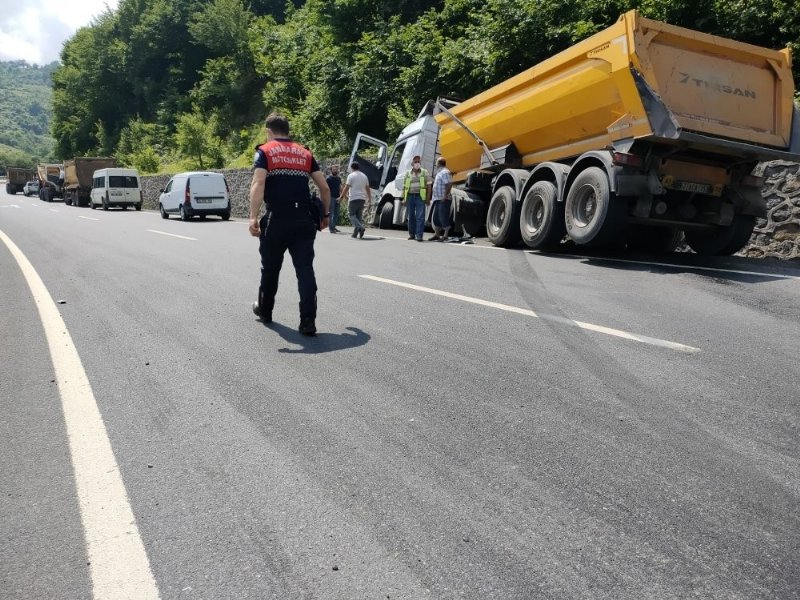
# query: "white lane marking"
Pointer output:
{"type": "Point", "coordinates": [677, 266]}
{"type": "Point", "coordinates": [10, 206]}
{"type": "Point", "coordinates": [553, 318]}
{"type": "Point", "coordinates": [183, 237]}
{"type": "Point", "coordinates": [53, 210]}
{"type": "Point", "coordinates": [88, 218]}
{"type": "Point", "coordinates": [118, 562]}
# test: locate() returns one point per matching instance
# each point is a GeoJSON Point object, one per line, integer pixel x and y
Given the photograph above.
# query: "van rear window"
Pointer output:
{"type": "Point", "coordinates": [123, 181]}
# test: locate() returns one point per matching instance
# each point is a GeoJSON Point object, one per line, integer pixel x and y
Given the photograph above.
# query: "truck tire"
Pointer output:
{"type": "Point", "coordinates": [653, 240]}
{"type": "Point", "coordinates": [541, 220]}
{"type": "Point", "coordinates": [8, 189]}
{"type": "Point", "coordinates": [67, 198]}
{"type": "Point", "coordinates": [723, 241]}
{"type": "Point", "coordinates": [593, 216]}
{"type": "Point", "coordinates": [502, 220]}
{"type": "Point", "coordinates": [385, 221]}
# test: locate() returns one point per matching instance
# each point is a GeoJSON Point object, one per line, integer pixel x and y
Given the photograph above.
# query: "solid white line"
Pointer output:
{"type": "Point", "coordinates": [183, 237]}
{"type": "Point", "coordinates": [553, 318]}
{"type": "Point", "coordinates": [88, 218]}
{"type": "Point", "coordinates": [676, 266]}
{"type": "Point", "coordinates": [118, 562]}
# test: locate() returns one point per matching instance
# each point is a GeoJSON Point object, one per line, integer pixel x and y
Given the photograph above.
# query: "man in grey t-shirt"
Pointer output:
{"type": "Point", "coordinates": [356, 188]}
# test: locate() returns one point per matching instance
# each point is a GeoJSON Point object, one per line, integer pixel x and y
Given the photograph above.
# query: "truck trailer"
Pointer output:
{"type": "Point", "coordinates": [51, 181]}
{"type": "Point", "coordinates": [17, 177]}
{"type": "Point", "coordinates": [636, 135]}
{"type": "Point", "coordinates": [78, 177]}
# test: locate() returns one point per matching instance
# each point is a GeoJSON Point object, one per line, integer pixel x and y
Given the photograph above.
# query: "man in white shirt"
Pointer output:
{"type": "Point", "coordinates": [356, 188]}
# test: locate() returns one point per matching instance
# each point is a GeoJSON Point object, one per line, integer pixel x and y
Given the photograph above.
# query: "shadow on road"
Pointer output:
{"type": "Point", "coordinates": [322, 342]}
{"type": "Point", "coordinates": [717, 268]}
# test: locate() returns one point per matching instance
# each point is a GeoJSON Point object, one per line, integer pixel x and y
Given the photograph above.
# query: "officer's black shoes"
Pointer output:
{"type": "Point", "coordinates": [361, 233]}
{"type": "Point", "coordinates": [307, 326]}
{"type": "Point", "coordinates": [266, 317]}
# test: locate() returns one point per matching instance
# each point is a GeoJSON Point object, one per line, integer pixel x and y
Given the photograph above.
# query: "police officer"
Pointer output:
{"type": "Point", "coordinates": [281, 170]}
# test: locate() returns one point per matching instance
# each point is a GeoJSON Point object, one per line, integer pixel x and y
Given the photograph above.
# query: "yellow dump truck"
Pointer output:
{"type": "Point", "coordinates": [51, 181]}
{"type": "Point", "coordinates": [634, 135]}
{"type": "Point", "coordinates": [17, 177]}
{"type": "Point", "coordinates": [78, 177]}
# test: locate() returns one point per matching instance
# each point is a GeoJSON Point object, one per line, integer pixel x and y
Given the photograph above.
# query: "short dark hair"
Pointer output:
{"type": "Point", "coordinates": [277, 123]}
{"type": "Point", "coordinates": [441, 161]}
{"type": "Point", "coordinates": [355, 166]}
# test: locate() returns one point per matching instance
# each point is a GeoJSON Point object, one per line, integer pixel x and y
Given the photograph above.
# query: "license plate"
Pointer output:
{"type": "Point", "coordinates": [203, 200]}
{"type": "Point", "coordinates": [695, 188]}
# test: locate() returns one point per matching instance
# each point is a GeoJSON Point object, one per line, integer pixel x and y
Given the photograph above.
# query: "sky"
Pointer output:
{"type": "Point", "coordinates": [35, 30]}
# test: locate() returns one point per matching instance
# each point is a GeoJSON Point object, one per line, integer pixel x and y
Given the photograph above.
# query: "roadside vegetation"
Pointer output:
{"type": "Point", "coordinates": [165, 85]}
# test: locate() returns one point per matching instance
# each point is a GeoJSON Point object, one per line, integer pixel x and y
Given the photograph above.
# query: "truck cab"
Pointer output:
{"type": "Point", "coordinates": [385, 170]}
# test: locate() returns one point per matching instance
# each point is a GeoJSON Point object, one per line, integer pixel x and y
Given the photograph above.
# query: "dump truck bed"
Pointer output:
{"type": "Point", "coordinates": [78, 171]}
{"type": "Point", "coordinates": [636, 80]}
{"type": "Point", "coordinates": [20, 175]}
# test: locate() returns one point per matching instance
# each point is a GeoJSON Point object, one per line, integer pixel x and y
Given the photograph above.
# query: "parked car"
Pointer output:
{"type": "Point", "coordinates": [116, 187]}
{"type": "Point", "coordinates": [196, 193]}
{"type": "Point", "coordinates": [31, 188]}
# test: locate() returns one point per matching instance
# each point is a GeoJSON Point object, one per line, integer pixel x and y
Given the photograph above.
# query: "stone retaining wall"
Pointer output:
{"type": "Point", "coordinates": [776, 237]}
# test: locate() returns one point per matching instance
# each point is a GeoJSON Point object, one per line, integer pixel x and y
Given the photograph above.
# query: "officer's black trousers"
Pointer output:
{"type": "Point", "coordinates": [296, 236]}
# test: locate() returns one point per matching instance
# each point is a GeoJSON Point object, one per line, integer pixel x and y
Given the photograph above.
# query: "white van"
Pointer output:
{"type": "Point", "coordinates": [116, 187]}
{"type": "Point", "coordinates": [199, 193]}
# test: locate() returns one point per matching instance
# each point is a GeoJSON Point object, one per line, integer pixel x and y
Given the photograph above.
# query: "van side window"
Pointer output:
{"type": "Point", "coordinates": [169, 186]}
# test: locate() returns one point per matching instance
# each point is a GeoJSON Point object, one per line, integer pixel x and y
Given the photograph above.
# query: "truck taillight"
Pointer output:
{"type": "Point", "coordinates": [187, 199]}
{"type": "Point", "coordinates": [629, 160]}
{"type": "Point", "coordinates": [752, 181]}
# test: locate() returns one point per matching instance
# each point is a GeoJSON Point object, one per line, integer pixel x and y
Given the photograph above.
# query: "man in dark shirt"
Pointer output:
{"type": "Point", "coordinates": [281, 170]}
{"type": "Point", "coordinates": [335, 185]}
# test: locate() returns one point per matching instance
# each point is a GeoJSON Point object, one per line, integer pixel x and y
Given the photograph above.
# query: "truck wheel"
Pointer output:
{"type": "Point", "coordinates": [67, 199]}
{"type": "Point", "coordinates": [541, 221]}
{"type": "Point", "coordinates": [723, 241]}
{"type": "Point", "coordinates": [502, 220]}
{"type": "Point", "coordinates": [592, 215]}
{"type": "Point", "coordinates": [654, 240]}
{"type": "Point", "coordinates": [164, 214]}
{"type": "Point", "coordinates": [387, 215]}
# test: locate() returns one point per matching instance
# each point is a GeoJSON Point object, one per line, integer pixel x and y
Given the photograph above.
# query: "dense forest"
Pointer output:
{"type": "Point", "coordinates": [25, 100]}
{"type": "Point", "coordinates": [187, 83]}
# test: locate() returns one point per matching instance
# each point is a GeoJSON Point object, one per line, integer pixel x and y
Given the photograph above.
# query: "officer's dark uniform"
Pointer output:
{"type": "Point", "coordinates": [287, 224]}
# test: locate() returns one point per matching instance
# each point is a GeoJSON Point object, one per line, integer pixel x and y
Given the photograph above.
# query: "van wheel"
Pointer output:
{"type": "Point", "coordinates": [723, 241]}
{"type": "Point", "coordinates": [593, 216]}
{"type": "Point", "coordinates": [541, 221]}
{"type": "Point", "coordinates": [164, 214]}
{"type": "Point", "coordinates": [92, 205]}
{"type": "Point", "coordinates": [138, 206]}
{"type": "Point", "coordinates": [502, 220]}
{"type": "Point", "coordinates": [184, 216]}
{"type": "Point", "coordinates": [105, 202]}
{"type": "Point", "coordinates": [202, 217]}
{"type": "Point", "coordinates": [387, 215]}
{"type": "Point", "coordinates": [226, 216]}
{"type": "Point", "coordinates": [124, 207]}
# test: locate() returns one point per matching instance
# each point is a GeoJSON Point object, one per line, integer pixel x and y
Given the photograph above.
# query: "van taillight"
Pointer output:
{"type": "Point", "coordinates": [186, 197]}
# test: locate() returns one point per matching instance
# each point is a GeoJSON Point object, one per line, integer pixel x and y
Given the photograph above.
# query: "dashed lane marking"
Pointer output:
{"type": "Point", "coordinates": [88, 218]}
{"type": "Point", "coordinates": [552, 318]}
{"type": "Point", "coordinates": [175, 235]}
{"type": "Point", "coordinates": [119, 566]}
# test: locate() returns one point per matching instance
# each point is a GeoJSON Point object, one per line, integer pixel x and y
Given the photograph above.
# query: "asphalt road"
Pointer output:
{"type": "Point", "coordinates": [470, 422]}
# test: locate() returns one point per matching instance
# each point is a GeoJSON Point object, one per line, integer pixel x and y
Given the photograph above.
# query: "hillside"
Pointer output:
{"type": "Point", "coordinates": [25, 112]}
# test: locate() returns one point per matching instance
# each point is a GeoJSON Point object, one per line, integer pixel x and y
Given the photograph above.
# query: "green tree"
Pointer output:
{"type": "Point", "coordinates": [195, 137]}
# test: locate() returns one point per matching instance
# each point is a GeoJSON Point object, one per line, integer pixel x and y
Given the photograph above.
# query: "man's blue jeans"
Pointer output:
{"type": "Point", "coordinates": [415, 211]}
{"type": "Point", "coordinates": [333, 219]}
